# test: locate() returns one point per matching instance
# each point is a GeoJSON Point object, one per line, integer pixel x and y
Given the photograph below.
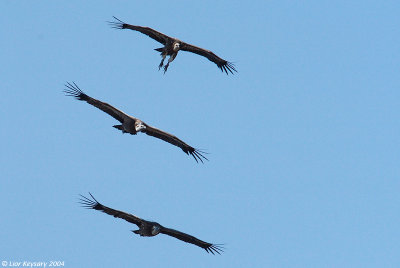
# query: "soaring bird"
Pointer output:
{"type": "Point", "coordinates": [149, 228]}
{"type": "Point", "coordinates": [173, 45]}
{"type": "Point", "coordinates": [132, 125]}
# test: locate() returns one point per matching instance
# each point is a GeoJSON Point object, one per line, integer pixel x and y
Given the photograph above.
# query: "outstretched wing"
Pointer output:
{"type": "Point", "coordinates": [159, 37]}
{"type": "Point", "coordinates": [210, 248]}
{"type": "Point", "coordinates": [155, 132]}
{"type": "Point", "coordinates": [221, 63]}
{"type": "Point", "coordinates": [74, 91]}
{"type": "Point", "coordinates": [94, 204]}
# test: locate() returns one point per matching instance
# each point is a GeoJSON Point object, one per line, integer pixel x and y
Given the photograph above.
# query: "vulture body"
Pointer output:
{"type": "Point", "coordinates": [132, 125]}
{"type": "Point", "coordinates": [173, 45]}
{"type": "Point", "coordinates": [149, 228]}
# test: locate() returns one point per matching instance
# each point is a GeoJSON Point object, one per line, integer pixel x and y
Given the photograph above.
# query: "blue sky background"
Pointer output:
{"type": "Point", "coordinates": [303, 141]}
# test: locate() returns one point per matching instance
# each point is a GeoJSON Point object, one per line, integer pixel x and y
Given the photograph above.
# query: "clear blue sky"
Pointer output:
{"type": "Point", "coordinates": [303, 141]}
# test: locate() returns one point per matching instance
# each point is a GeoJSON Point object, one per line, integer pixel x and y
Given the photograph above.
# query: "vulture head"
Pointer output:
{"type": "Point", "coordinates": [155, 230]}
{"type": "Point", "coordinates": [139, 126]}
{"type": "Point", "coordinates": [176, 47]}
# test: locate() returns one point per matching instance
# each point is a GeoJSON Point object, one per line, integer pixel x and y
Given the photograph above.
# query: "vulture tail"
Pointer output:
{"type": "Point", "coordinates": [159, 49]}
{"type": "Point", "coordinates": [120, 128]}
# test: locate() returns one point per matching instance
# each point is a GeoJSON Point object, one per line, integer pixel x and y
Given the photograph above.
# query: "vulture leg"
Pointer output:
{"type": "Point", "coordinates": [166, 67]}
{"type": "Point", "coordinates": [171, 58]}
{"type": "Point", "coordinates": [162, 61]}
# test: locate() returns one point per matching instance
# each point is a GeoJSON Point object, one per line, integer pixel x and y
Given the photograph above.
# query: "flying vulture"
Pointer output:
{"type": "Point", "coordinates": [132, 125]}
{"type": "Point", "coordinates": [173, 45]}
{"type": "Point", "coordinates": [149, 228]}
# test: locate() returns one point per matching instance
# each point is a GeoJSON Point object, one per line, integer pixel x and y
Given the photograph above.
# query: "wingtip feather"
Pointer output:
{"type": "Point", "coordinates": [198, 155]}
{"type": "Point", "coordinates": [73, 90]}
{"type": "Point", "coordinates": [227, 66]}
{"type": "Point", "coordinates": [119, 24]}
{"type": "Point", "coordinates": [215, 249]}
{"type": "Point", "coordinates": [87, 202]}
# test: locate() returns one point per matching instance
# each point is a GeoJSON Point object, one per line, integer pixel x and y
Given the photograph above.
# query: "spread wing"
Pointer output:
{"type": "Point", "coordinates": [221, 63]}
{"type": "Point", "coordinates": [74, 91]}
{"type": "Point", "coordinates": [155, 132]}
{"type": "Point", "coordinates": [210, 248]}
{"type": "Point", "coordinates": [159, 37]}
{"type": "Point", "coordinates": [94, 204]}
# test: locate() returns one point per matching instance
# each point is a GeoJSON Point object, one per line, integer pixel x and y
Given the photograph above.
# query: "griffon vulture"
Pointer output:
{"type": "Point", "coordinates": [149, 228]}
{"type": "Point", "coordinates": [132, 125]}
{"type": "Point", "coordinates": [173, 45]}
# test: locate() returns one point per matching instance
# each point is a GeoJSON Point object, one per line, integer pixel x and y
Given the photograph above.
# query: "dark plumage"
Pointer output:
{"type": "Point", "coordinates": [132, 125]}
{"type": "Point", "coordinates": [173, 45]}
{"type": "Point", "coordinates": [149, 228]}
